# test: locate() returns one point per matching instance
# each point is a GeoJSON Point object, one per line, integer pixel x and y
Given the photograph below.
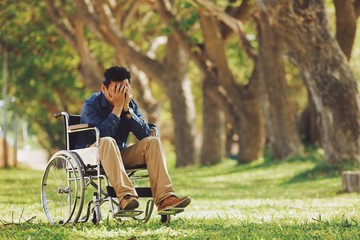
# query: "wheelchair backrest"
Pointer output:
{"type": "Point", "coordinates": [69, 120]}
{"type": "Point", "coordinates": [73, 119]}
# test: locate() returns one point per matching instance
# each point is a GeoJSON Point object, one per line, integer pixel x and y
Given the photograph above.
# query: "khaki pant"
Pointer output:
{"type": "Point", "coordinates": [148, 151]}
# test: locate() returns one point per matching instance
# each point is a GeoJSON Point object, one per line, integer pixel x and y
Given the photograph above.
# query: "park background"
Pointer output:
{"type": "Point", "coordinates": [256, 102]}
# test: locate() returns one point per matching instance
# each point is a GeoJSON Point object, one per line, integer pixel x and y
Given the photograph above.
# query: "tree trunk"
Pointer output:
{"type": "Point", "coordinates": [211, 59]}
{"type": "Point", "coordinates": [241, 103]}
{"type": "Point", "coordinates": [232, 141]}
{"type": "Point", "coordinates": [345, 25]}
{"type": "Point", "coordinates": [327, 74]}
{"type": "Point", "coordinates": [184, 122]}
{"type": "Point", "coordinates": [332, 90]}
{"type": "Point", "coordinates": [251, 129]}
{"type": "Point", "coordinates": [309, 123]}
{"type": "Point", "coordinates": [357, 8]}
{"type": "Point", "coordinates": [213, 137]}
{"type": "Point", "coordinates": [345, 33]}
{"type": "Point", "coordinates": [350, 181]}
{"type": "Point", "coordinates": [182, 104]}
{"type": "Point", "coordinates": [147, 100]}
{"type": "Point", "coordinates": [280, 120]}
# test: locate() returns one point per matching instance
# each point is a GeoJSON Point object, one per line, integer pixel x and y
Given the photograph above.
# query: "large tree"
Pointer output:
{"type": "Point", "coordinates": [280, 118]}
{"type": "Point", "coordinates": [269, 74]}
{"type": "Point", "coordinates": [109, 22]}
{"type": "Point", "coordinates": [304, 26]}
{"type": "Point", "coordinates": [239, 101]}
{"type": "Point", "coordinates": [347, 13]}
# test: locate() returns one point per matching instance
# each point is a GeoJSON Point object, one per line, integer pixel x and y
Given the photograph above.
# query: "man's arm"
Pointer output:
{"type": "Point", "coordinates": [92, 112]}
{"type": "Point", "coordinates": [136, 122]}
{"type": "Point", "coordinates": [92, 115]}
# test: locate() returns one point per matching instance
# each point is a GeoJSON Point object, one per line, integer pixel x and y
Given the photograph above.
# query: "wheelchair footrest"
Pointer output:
{"type": "Point", "coordinates": [127, 213]}
{"type": "Point", "coordinates": [144, 192]}
{"type": "Point", "coordinates": [141, 191]}
{"type": "Point", "coordinates": [171, 211]}
{"type": "Point", "coordinates": [111, 191]}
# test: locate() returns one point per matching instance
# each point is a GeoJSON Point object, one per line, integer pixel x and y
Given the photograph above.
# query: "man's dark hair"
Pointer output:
{"type": "Point", "coordinates": [116, 74]}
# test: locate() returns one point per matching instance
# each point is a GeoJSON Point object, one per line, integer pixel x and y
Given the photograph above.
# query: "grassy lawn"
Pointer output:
{"type": "Point", "coordinates": [257, 201]}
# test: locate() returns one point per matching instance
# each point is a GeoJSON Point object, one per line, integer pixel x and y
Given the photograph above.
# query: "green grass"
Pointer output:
{"type": "Point", "coordinates": [289, 200]}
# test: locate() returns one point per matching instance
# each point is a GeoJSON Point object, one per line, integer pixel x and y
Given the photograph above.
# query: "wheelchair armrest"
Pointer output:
{"type": "Point", "coordinates": [85, 127]}
{"type": "Point", "coordinates": [81, 126]}
{"type": "Point", "coordinates": [153, 130]}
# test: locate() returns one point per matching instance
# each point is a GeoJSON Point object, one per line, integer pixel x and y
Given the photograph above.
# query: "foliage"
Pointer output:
{"type": "Point", "coordinates": [255, 201]}
{"type": "Point", "coordinates": [42, 69]}
{"type": "Point", "coordinates": [241, 65]}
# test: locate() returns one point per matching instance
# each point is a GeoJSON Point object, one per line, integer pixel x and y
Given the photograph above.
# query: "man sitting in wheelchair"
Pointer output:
{"type": "Point", "coordinates": [115, 114]}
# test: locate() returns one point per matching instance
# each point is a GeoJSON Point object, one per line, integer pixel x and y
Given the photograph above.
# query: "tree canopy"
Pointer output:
{"type": "Point", "coordinates": [220, 78]}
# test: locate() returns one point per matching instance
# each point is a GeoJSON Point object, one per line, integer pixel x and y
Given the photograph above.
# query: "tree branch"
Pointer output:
{"type": "Point", "coordinates": [104, 11]}
{"type": "Point", "coordinates": [90, 69]}
{"type": "Point", "coordinates": [243, 12]}
{"type": "Point", "coordinates": [87, 11]}
{"type": "Point", "coordinates": [235, 24]}
{"type": "Point", "coordinates": [5, 223]}
{"type": "Point", "coordinates": [73, 33]}
{"type": "Point", "coordinates": [110, 33]}
{"type": "Point", "coordinates": [181, 37]}
{"type": "Point", "coordinates": [64, 30]}
{"type": "Point", "coordinates": [130, 14]}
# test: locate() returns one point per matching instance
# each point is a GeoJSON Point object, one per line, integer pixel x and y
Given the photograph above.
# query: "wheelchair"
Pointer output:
{"type": "Point", "coordinates": [70, 173]}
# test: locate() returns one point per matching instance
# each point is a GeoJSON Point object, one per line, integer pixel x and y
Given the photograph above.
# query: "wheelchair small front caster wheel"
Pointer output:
{"type": "Point", "coordinates": [96, 215]}
{"type": "Point", "coordinates": [165, 219]}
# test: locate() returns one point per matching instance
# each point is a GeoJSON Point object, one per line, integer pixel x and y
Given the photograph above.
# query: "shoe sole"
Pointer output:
{"type": "Point", "coordinates": [131, 205]}
{"type": "Point", "coordinates": [184, 203]}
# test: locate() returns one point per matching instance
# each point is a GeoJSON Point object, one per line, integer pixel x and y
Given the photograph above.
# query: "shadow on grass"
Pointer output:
{"type": "Point", "coordinates": [229, 167]}
{"type": "Point", "coordinates": [320, 171]}
{"type": "Point", "coordinates": [311, 154]}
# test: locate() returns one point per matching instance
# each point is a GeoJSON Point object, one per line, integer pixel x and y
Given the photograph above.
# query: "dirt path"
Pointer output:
{"type": "Point", "coordinates": [34, 158]}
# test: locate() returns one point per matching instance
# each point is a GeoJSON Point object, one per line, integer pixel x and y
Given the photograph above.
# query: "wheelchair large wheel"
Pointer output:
{"type": "Point", "coordinates": [62, 191]}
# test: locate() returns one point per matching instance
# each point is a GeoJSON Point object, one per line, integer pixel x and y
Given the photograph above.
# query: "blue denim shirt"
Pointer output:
{"type": "Point", "coordinates": [97, 112]}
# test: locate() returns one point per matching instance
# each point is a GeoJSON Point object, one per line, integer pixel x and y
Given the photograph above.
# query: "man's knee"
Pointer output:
{"type": "Point", "coordinates": [108, 150]}
{"type": "Point", "coordinates": [152, 141]}
{"type": "Point", "coordinates": [107, 142]}
{"type": "Point", "coordinates": [153, 144]}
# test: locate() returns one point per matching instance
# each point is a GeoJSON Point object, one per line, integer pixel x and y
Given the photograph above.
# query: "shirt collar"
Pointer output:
{"type": "Point", "coordinates": [104, 103]}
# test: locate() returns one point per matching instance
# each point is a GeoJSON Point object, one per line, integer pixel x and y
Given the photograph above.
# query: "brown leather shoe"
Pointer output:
{"type": "Point", "coordinates": [174, 202]}
{"type": "Point", "coordinates": [129, 202]}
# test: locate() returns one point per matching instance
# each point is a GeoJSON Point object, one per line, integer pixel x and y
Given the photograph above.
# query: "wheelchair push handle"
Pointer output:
{"type": "Point", "coordinates": [59, 114]}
